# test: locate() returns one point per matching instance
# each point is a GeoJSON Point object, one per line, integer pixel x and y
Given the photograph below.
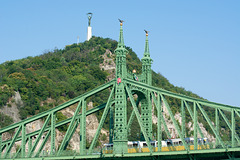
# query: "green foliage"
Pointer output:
{"type": "Point", "coordinates": [60, 117]}
{"type": "Point", "coordinates": [5, 93]}
{"type": "Point", "coordinates": [104, 137]}
{"type": "Point", "coordinates": [5, 120]}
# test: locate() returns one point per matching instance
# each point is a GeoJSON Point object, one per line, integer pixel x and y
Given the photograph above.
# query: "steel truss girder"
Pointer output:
{"type": "Point", "coordinates": [58, 108]}
{"type": "Point", "coordinates": [192, 116]}
{"type": "Point", "coordinates": [12, 142]}
{"type": "Point", "coordinates": [197, 105]}
{"type": "Point", "coordinates": [229, 125]}
{"type": "Point", "coordinates": [159, 107]}
{"type": "Point", "coordinates": [197, 102]}
{"type": "Point", "coordinates": [39, 136]}
{"type": "Point", "coordinates": [132, 116]}
{"type": "Point", "coordinates": [91, 111]}
{"type": "Point", "coordinates": [174, 122]}
{"type": "Point", "coordinates": [180, 96]}
{"type": "Point", "coordinates": [138, 118]}
{"type": "Point", "coordinates": [70, 128]}
{"type": "Point", "coordinates": [43, 144]}
{"type": "Point", "coordinates": [46, 128]}
{"type": "Point", "coordinates": [210, 124]}
{"type": "Point", "coordinates": [106, 110]}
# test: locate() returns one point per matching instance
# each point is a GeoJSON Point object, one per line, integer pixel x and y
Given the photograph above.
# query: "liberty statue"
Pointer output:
{"type": "Point", "coordinates": [89, 31]}
{"type": "Point", "coordinates": [89, 18]}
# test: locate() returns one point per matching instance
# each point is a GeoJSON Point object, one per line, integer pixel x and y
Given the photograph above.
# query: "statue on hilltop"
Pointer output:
{"type": "Point", "coordinates": [89, 18]}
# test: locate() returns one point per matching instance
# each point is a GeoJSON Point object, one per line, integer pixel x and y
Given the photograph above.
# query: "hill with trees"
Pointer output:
{"type": "Point", "coordinates": [63, 74]}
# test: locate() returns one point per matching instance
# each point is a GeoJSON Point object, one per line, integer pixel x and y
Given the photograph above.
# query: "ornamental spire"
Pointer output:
{"type": "Point", "coordinates": [121, 42]}
{"type": "Point", "coordinates": [146, 51]}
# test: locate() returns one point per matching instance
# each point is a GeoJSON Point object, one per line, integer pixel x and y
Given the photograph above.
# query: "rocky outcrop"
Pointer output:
{"type": "Point", "coordinates": [11, 109]}
{"type": "Point", "coordinates": [108, 64]}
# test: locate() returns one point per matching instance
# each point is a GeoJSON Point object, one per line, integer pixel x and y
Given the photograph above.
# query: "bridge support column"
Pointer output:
{"type": "Point", "coordinates": [159, 125]}
{"type": "Point", "coordinates": [83, 129]}
{"type": "Point", "coordinates": [111, 125]}
{"type": "Point", "coordinates": [183, 119]}
{"type": "Point", "coordinates": [120, 124]}
{"type": "Point", "coordinates": [53, 133]}
{"type": "Point", "coordinates": [233, 128]}
{"type": "Point", "coordinates": [29, 143]}
{"type": "Point", "coordinates": [217, 123]}
{"type": "Point", "coordinates": [146, 116]}
{"type": "Point", "coordinates": [195, 125]}
{"type": "Point", "coordinates": [23, 140]}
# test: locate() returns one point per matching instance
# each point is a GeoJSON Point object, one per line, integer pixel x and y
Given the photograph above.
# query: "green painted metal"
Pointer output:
{"type": "Point", "coordinates": [195, 125]}
{"type": "Point", "coordinates": [83, 129]}
{"type": "Point", "coordinates": [161, 118]}
{"type": "Point", "coordinates": [120, 121]}
{"type": "Point", "coordinates": [229, 124]}
{"type": "Point", "coordinates": [141, 85]}
{"type": "Point", "coordinates": [159, 125]}
{"type": "Point", "coordinates": [91, 111]}
{"type": "Point", "coordinates": [23, 140]}
{"type": "Point", "coordinates": [29, 143]}
{"type": "Point", "coordinates": [72, 131]}
{"type": "Point", "coordinates": [183, 113]}
{"type": "Point", "coordinates": [60, 107]}
{"type": "Point", "coordinates": [30, 153]}
{"type": "Point", "coordinates": [106, 110]}
{"type": "Point", "coordinates": [146, 116]}
{"type": "Point", "coordinates": [111, 124]}
{"type": "Point", "coordinates": [146, 63]}
{"type": "Point", "coordinates": [210, 124]}
{"type": "Point", "coordinates": [217, 123]}
{"type": "Point", "coordinates": [53, 133]}
{"type": "Point", "coordinates": [233, 127]}
{"type": "Point", "coordinates": [174, 122]}
{"type": "Point", "coordinates": [43, 144]}
{"type": "Point", "coordinates": [132, 116]}
{"type": "Point", "coordinates": [191, 114]}
{"type": "Point", "coordinates": [17, 153]}
{"type": "Point", "coordinates": [74, 119]}
{"type": "Point", "coordinates": [146, 107]}
{"type": "Point", "coordinates": [139, 119]}
{"type": "Point", "coordinates": [165, 127]}
{"type": "Point", "coordinates": [9, 147]}
{"type": "Point", "coordinates": [237, 113]}
{"type": "Point", "coordinates": [131, 119]}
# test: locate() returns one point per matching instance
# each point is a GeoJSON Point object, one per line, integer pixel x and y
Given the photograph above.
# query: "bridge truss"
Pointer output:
{"type": "Point", "coordinates": [137, 90]}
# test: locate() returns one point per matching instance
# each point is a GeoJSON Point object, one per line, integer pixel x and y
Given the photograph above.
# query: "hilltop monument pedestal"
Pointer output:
{"type": "Point", "coordinates": [89, 33]}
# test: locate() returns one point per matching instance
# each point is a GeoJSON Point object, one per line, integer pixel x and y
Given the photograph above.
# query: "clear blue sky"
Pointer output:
{"type": "Point", "coordinates": [194, 44]}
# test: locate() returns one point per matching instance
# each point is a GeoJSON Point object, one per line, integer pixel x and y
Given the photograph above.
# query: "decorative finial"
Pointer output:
{"type": "Point", "coordinates": [121, 21]}
{"type": "Point", "coordinates": [146, 32]}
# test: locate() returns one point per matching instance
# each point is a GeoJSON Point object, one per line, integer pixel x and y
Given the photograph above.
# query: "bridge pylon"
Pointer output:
{"type": "Point", "coordinates": [120, 121]}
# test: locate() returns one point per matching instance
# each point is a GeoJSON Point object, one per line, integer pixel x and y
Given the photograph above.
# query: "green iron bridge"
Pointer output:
{"type": "Point", "coordinates": [127, 87]}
